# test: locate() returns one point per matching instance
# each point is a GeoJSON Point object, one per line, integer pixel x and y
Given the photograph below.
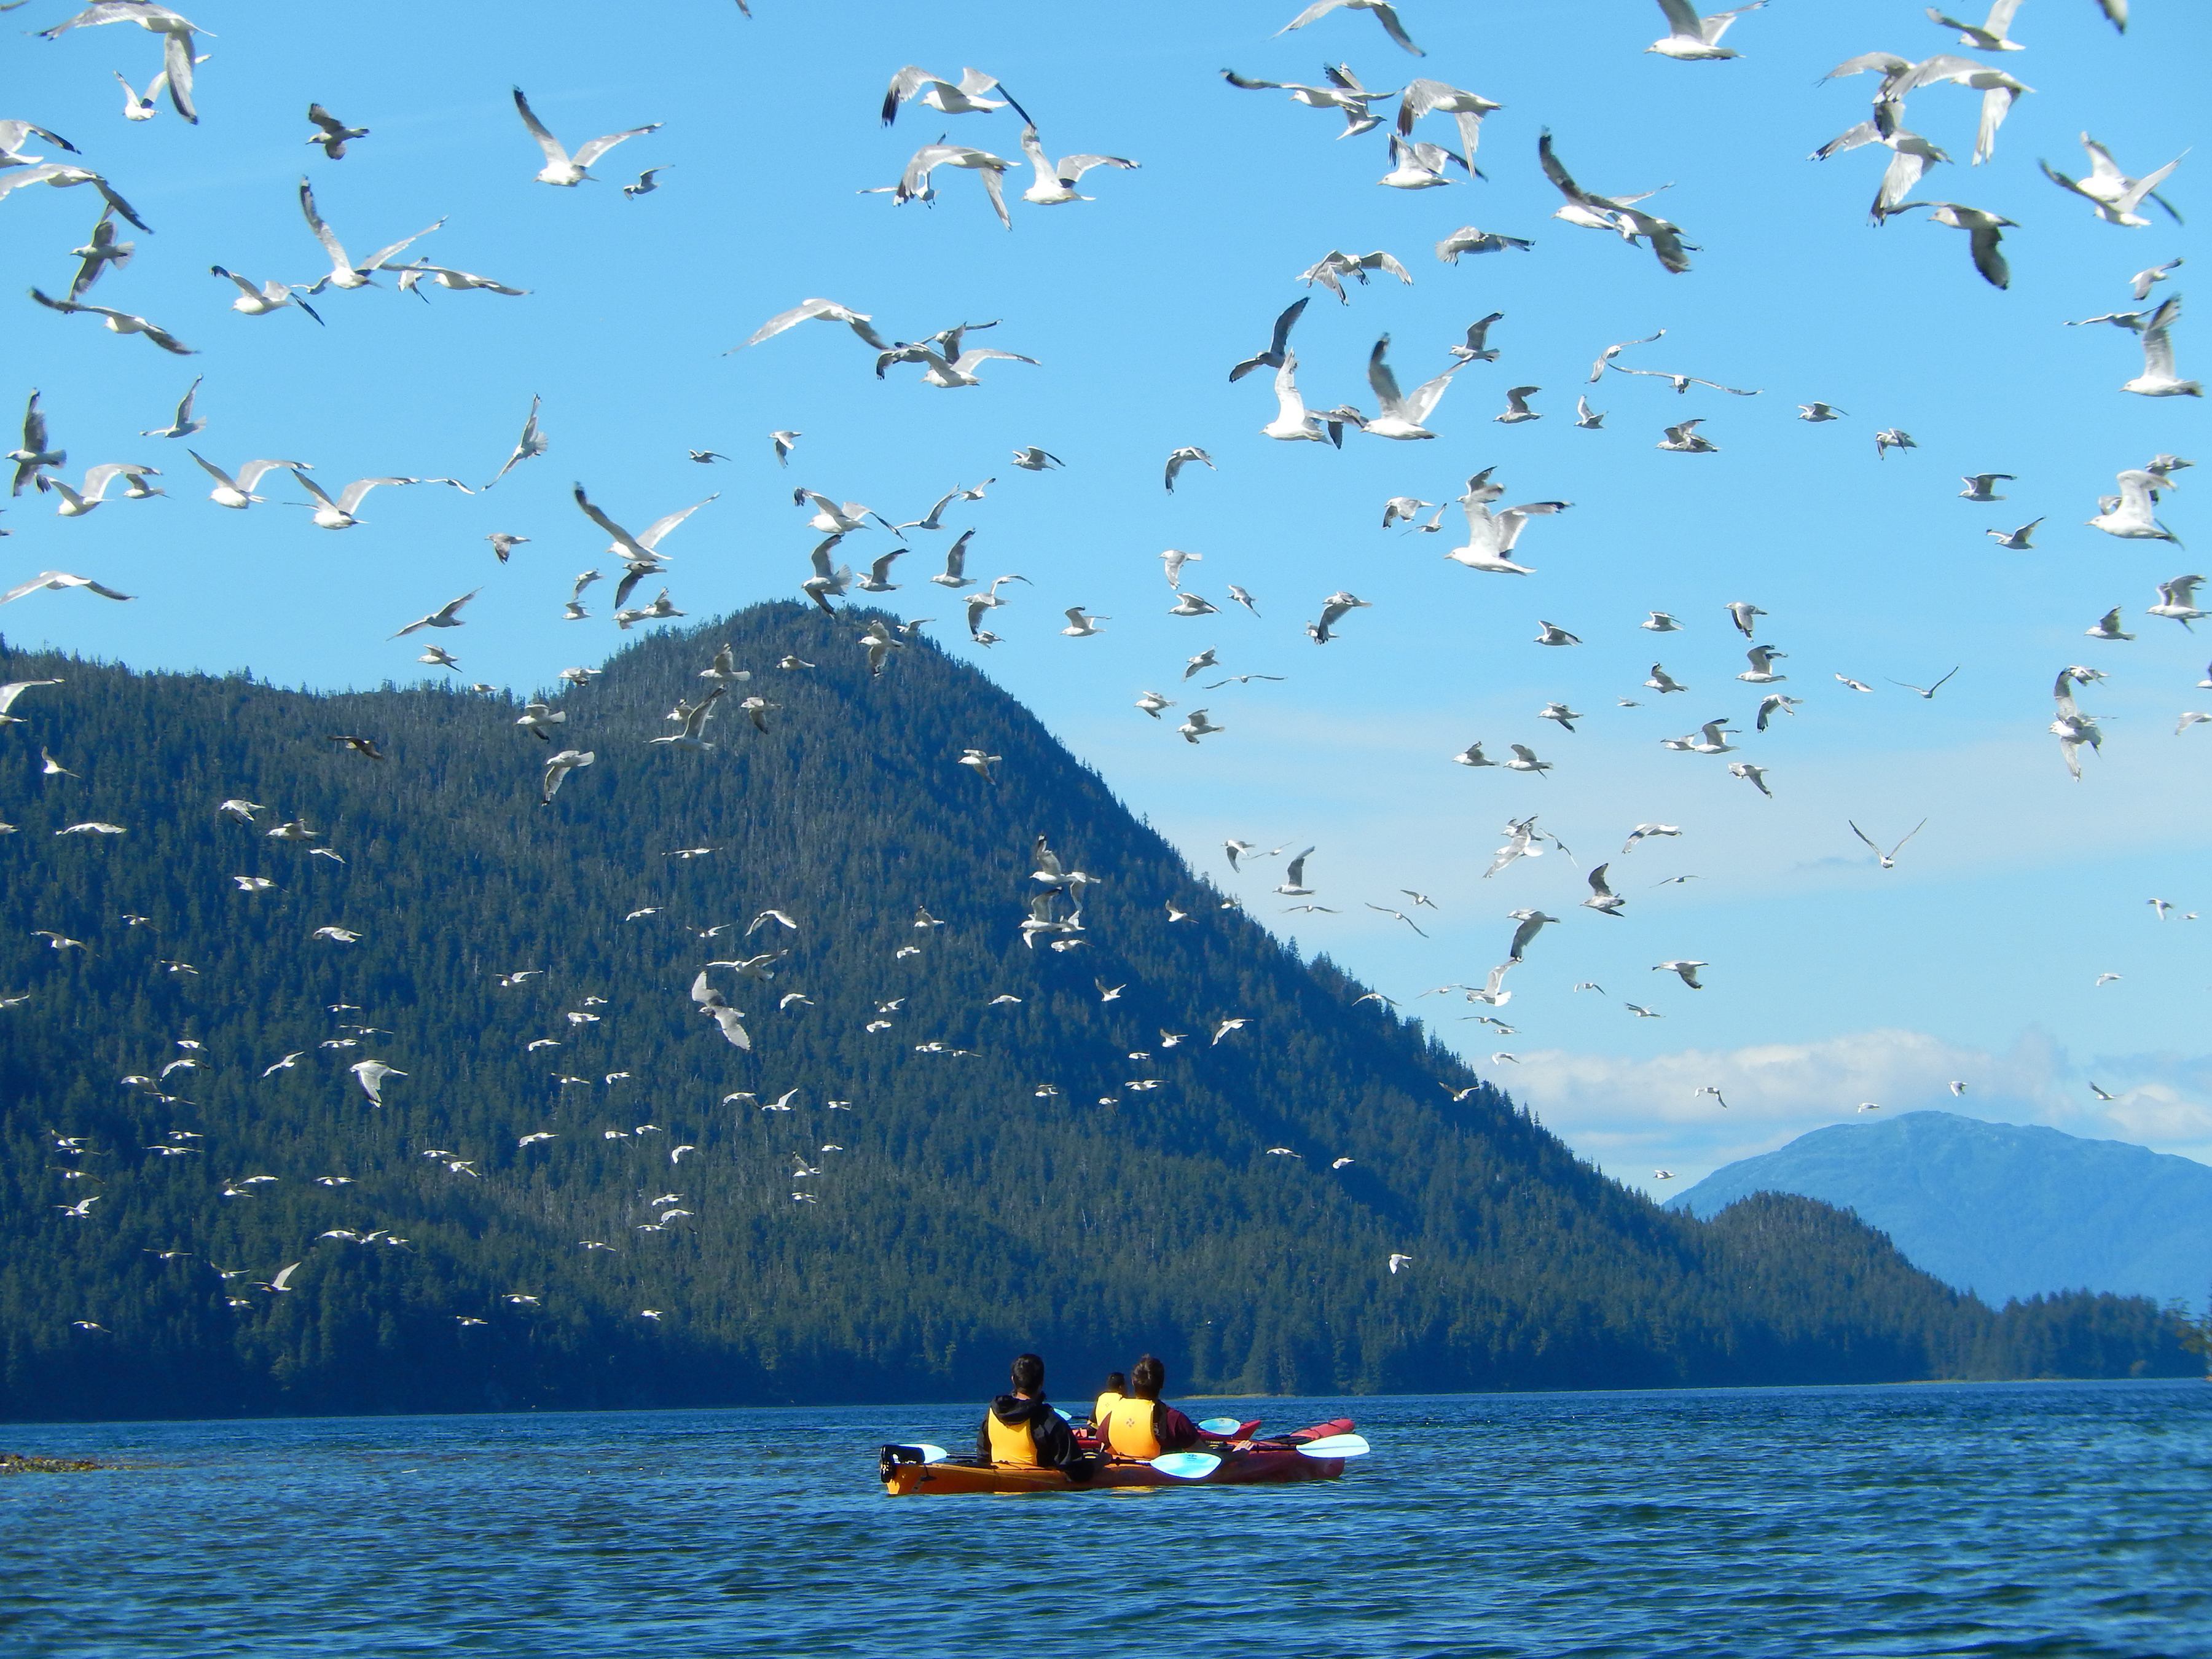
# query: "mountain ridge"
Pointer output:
{"type": "Point", "coordinates": [952, 1210]}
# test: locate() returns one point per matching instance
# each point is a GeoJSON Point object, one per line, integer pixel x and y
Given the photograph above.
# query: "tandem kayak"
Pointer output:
{"type": "Point", "coordinates": [1268, 1461]}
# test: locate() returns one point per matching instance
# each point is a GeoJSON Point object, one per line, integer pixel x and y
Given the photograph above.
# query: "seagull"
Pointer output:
{"type": "Point", "coordinates": [1559, 713]}
{"type": "Point", "coordinates": [2015, 541]}
{"type": "Point", "coordinates": [58, 580]}
{"type": "Point", "coordinates": [1224, 1027]}
{"type": "Point", "coordinates": [1685, 439]}
{"type": "Point", "coordinates": [1033, 459]}
{"type": "Point", "coordinates": [1468, 239]}
{"type": "Point", "coordinates": [1853, 685]}
{"type": "Point", "coordinates": [648, 182]}
{"type": "Point", "coordinates": [98, 254]}
{"type": "Point", "coordinates": [827, 311]}
{"type": "Point", "coordinates": [1889, 858]}
{"type": "Point", "coordinates": [182, 424]}
{"type": "Point", "coordinates": [62, 176]}
{"type": "Point", "coordinates": [339, 514]}
{"type": "Point", "coordinates": [1586, 419]}
{"type": "Point", "coordinates": [1532, 923]}
{"type": "Point", "coordinates": [1776, 702]}
{"type": "Point", "coordinates": [1662, 682]}
{"type": "Point", "coordinates": [1641, 1012]}
{"type": "Point", "coordinates": [1180, 458]}
{"type": "Point", "coordinates": [916, 182]}
{"type": "Point", "coordinates": [2129, 515]}
{"type": "Point", "coordinates": [695, 717]}
{"type": "Point", "coordinates": [1892, 438]}
{"type": "Point", "coordinates": [729, 1019]}
{"type": "Point", "coordinates": [1344, 92]}
{"type": "Point", "coordinates": [1762, 659]}
{"type": "Point", "coordinates": [1402, 916]}
{"type": "Point", "coordinates": [1820, 411]}
{"type": "Point", "coordinates": [1612, 212]}
{"type": "Point", "coordinates": [1293, 421]}
{"type": "Point", "coordinates": [1691, 38]}
{"type": "Point", "coordinates": [1985, 231]}
{"type": "Point", "coordinates": [1425, 97]}
{"type": "Point", "coordinates": [557, 769]}
{"type": "Point", "coordinates": [1602, 898]}
{"type": "Point", "coordinates": [1421, 166]}
{"type": "Point", "coordinates": [2178, 600]}
{"type": "Point", "coordinates": [1278, 347]}
{"type": "Point", "coordinates": [1516, 405]}
{"type": "Point", "coordinates": [359, 745]}
{"type": "Point", "coordinates": [1384, 14]}
{"type": "Point", "coordinates": [1193, 605]}
{"type": "Point", "coordinates": [1554, 634]}
{"type": "Point", "coordinates": [963, 97]}
{"type": "Point", "coordinates": [2107, 627]}
{"type": "Point", "coordinates": [2144, 281]}
{"type": "Point", "coordinates": [76, 503]}
{"type": "Point", "coordinates": [561, 168]}
{"type": "Point", "coordinates": [1754, 775]}
{"type": "Point", "coordinates": [1333, 267]}
{"type": "Point", "coordinates": [118, 322]}
{"type": "Point", "coordinates": [1929, 691]}
{"type": "Point", "coordinates": [2158, 379]}
{"type": "Point", "coordinates": [446, 616]}
{"type": "Point", "coordinates": [344, 272]}
{"type": "Point", "coordinates": [1081, 626]}
{"type": "Point", "coordinates": [176, 33]}
{"type": "Point", "coordinates": [237, 493]}
{"type": "Point", "coordinates": [1056, 181]}
{"type": "Point", "coordinates": [1642, 830]}
{"type": "Point", "coordinates": [1491, 535]}
{"type": "Point", "coordinates": [1333, 609]}
{"type": "Point", "coordinates": [2114, 195]}
{"type": "Point", "coordinates": [370, 1074]}
{"type": "Point", "coordinates": [337, 935]}
{"type": "Point", "coordinates": [1662, 621]}
{"type": "Point", "coordinates": [335, 135]}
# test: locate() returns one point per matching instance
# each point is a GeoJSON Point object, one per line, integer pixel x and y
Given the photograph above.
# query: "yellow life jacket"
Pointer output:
{"type": "Point", "coordinates": [1010, 1443]}
{"type": "Point", "coordinates": [1106, 1403]}
{"type": "Point", "coordinates": [1129, 1428]}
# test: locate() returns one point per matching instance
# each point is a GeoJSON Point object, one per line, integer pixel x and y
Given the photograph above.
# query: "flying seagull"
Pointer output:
{"type": "Point", "coordinates": [561, 168]}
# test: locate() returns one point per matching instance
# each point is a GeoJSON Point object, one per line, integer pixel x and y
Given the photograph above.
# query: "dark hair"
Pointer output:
{"type": "Point", "coordinates": [1029, 1374]}
{"type": "Point", "coordinates": [1116, 1384]}
{"type": "Point", "coordinates": [1147, 1377]}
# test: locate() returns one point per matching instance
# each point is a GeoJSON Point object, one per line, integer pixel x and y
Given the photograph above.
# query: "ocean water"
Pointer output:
{"type": "Point", "coordinates": [2009, 1519]}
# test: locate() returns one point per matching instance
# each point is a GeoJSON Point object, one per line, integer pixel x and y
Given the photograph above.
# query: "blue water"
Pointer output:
{"type": "Point", "coordinates": [2008, 1519]}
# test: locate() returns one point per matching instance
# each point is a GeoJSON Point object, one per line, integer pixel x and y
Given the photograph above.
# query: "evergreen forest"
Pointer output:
{"type": "Point", "coordinates": [937, 1139]}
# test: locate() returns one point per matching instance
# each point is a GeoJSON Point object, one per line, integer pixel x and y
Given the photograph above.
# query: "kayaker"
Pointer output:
{"type": "Point", "coordinates": [1110, 1396]}
{"type": "Point", "coordinates": [1139, 1425]}
{"type": "Point", "coordinates": [1021, 1429]}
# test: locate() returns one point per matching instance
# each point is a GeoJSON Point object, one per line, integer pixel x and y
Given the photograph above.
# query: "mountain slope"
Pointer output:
{"type": "Point", "coordinates": [2004, 1210]}
{"type": "Point", "coordinates": [968, 1177]}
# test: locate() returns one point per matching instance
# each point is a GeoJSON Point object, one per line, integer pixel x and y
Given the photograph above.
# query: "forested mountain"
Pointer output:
{"type": "Point", "coordinates": [2002, 1209]}
{"type": "Point", "coordinates": [907, 1176]}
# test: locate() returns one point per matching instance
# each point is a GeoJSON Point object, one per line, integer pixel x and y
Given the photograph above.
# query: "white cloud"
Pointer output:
{"type": "Point", "coordinates": [1628, 1115]}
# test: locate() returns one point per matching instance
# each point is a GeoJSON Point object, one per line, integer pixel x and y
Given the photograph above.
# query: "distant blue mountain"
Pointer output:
{"type": "Point", "coordinates": [2002, 1209]}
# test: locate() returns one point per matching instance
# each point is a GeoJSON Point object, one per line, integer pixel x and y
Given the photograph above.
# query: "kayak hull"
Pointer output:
{"type": "Point", "coordinates": [1270, 1464]}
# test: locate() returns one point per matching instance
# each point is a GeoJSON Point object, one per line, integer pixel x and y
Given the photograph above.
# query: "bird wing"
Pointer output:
{"type": "Point", "coordinates": [1561, 179]}
{"type": "Point", "coordinates": [1385, 384]}
{"type": "Point", "coordinates": [1682, 20]}
{"type": "Point", "coordinates": [2158, 340]}
{"type": "Point", "coordinates": [591, 151]}
{"type": "Point", "coordinates": [351, 496]}
{"type": "Point", "coordinates": [1597, 881]}
{"type": "Point", "coordinates": [546, 141]}
{"type": "Point", "coordinates": [807, 311]}
{"type": "Point", "coordinates": [650, 540]}
{"type": "Point", "coordinates": [323, 233]}
{"type": "Point", "coordinates": [377, 258]}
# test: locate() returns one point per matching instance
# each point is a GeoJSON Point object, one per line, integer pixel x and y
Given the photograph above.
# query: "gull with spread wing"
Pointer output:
{"type": "Point", "coordinates": [1889, 858]}
{"type": "Point", "coordinates": [2114, 195]}
{"type": "Point", "coordinates": [1491, 535]}
{"type": "Point", "coordinates": [917, 183]}
{"type": "Point", "coordinates": [76, 503]}
{"type": "Point", "coordinates": [343, 273]}
{"type": "Point", "coordinates": [1385, 15]}
{"type": "Point", "coordinates": [271, 295]}
{"type": "Point", "coordinates": [1402, 415]}
{"type": "Point", "coordinates": [1344, 92]}
{"type": "Point", "coordinates": [1691, 38]}
{"type": "Point", "coordinates": [237, 492]}
{"type": "Point", "coordinates": [58, 580]}
{"type": "Point", "coordinates": [62, 175]}
{"type": "Point", "coordinates": [1617, 214]}
{"type": "Point", "coordinates": [176, 31]}
{"type": "Point", "coordinates": [561, 168]}
{"type": "Point", "coordinates": [118, 322]}
{"type": "Point", "coordinates": [963, 97]}
{"type": "Point", "coordinates": [2129, 515]}
{"type": "Point", "coordinates": [2158, 379]}
{"type": "Point", "coordinates": [1056, 181]}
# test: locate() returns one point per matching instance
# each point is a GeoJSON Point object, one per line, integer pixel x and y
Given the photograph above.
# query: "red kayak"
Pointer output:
{"type": "Point", "coordinates": [1274, 1460]}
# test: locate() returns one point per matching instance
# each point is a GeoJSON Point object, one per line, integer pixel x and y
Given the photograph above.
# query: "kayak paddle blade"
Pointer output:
{"type": "Point", "coordinates": [934, 1453]}
{"type": "Point", "coordinates": [1188, 1466]}
{"type": "Point", "coordinates": [1336, 1446]}
{"type": "Point", "coordinates": [1221, 1424]}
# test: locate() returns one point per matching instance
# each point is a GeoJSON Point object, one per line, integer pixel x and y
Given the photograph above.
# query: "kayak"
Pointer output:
{"type": "Point", "coordinates": [1271, 1461]}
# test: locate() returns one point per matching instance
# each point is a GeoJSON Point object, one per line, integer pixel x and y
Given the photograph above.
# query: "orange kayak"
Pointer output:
{"type": "Point", "coordinates": [1269, 1461]}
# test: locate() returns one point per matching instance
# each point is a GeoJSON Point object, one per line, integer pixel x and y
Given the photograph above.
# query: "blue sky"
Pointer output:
{"type": "Point", "coordinates": [1978, 953]}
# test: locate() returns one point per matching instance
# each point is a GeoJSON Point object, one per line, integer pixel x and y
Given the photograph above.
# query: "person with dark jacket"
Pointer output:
{"type": "Point", "coordinates": [1139, 1425]}
{"type": "Point", "coordinates": [1021, 1431]}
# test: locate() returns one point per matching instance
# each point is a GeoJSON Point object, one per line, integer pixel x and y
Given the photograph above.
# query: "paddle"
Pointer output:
{"type": "Point", "coordinates": [1188, 1466]}
{"type": "Point", "coordinates": [1335, 1445]}
{"type": "Point", "coordinates": [1221, 1425]}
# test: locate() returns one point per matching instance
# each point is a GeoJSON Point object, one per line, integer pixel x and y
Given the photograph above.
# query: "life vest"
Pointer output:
{"type": "Point", "coordinates": [1012, 1443]}
{"type": "Point", "coordinates": [1107, 1401]}
{"type": "Point", "coordinates": [1129, 1428]}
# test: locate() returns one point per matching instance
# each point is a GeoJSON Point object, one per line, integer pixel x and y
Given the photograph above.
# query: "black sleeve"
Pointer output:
{"type": "Point", "coordinates": [1175, 1431]}
{"type": "Point", "coordinates": [1056, 1447]}
{"type": "Point", "coordinates": [983, 1436]}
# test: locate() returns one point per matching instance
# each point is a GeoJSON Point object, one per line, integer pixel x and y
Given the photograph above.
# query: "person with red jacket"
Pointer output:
{"type": "Point", "coordinates": [1139, 1425]}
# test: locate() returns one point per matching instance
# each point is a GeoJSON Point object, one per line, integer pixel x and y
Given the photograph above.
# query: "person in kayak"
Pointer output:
{"type": "Point", "coordinates": [1021, 1429]}
{"type": "Point", "coordinates": [1139, 1425]}
{"type": "Point", "coordinates": [1110, 1396]}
